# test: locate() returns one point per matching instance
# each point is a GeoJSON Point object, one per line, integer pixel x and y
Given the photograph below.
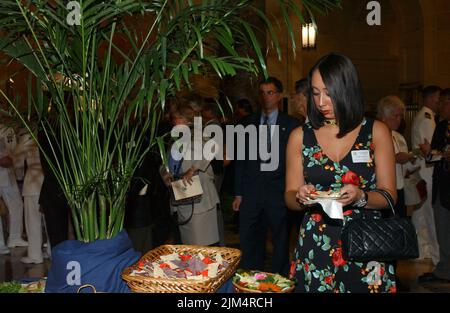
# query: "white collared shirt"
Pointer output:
{"type": "Point", "coordinates": [400, 145]}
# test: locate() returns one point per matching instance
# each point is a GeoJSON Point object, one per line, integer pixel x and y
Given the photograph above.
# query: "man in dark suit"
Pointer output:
{"type": "Point", "coordinates": [259, 186]}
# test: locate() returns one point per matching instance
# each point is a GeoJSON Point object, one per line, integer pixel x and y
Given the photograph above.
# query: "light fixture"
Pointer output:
{"type": "Point", "coordinates": [309, 35]}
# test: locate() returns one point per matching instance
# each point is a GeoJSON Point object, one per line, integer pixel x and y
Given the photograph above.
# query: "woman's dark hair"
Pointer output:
{"type": "Point", "coordinates": [344, 88]}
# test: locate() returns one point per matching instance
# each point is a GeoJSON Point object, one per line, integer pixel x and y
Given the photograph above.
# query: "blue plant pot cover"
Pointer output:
{"type": "Point", "coordinates": [100, 262]}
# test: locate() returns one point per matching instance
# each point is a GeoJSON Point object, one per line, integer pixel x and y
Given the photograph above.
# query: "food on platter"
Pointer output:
{"type": "Point", "coordinates": [182, 266]}
{"type": "Point", "coordinates": [330, 194]}
{"type": "Point", "coordinates": [257, 281]}
{"type": "Point", "coordinates": [17, 287]}
{"type": "Point", "coordinates": [34, 287]}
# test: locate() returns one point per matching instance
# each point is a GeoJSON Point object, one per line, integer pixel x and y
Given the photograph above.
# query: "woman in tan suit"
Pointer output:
{"type": "Point", "coordinates": [202, 226]}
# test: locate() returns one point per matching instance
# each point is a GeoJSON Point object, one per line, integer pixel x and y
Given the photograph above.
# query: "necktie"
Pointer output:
{"type": "Point", "coordinates": [269, 143]}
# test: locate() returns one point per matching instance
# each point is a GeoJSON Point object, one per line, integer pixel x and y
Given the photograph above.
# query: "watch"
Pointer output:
{"type": "Point", "coordinates": [362, 202]}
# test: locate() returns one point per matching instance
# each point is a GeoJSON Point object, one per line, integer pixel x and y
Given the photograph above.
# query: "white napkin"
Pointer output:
{"type": "Point", "coordinates": [331, 207]}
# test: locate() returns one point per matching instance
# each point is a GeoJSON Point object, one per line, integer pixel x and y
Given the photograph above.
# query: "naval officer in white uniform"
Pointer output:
{"type": "Point", "coordinates": [421, 133]}
{"type": "Point", "coordinates": [27, 152]}
{"type": "Point", "coordinates": [9, 190]}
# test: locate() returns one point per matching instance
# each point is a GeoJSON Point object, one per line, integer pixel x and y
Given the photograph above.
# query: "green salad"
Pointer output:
{"type": "Point", "coordinates": [16, 287]}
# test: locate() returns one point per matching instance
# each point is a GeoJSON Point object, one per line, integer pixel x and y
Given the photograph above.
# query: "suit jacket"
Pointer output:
{"type": "Point", "coordinates": [210, 197]}
{"type": "Point", "coordinates": [52, 196]}
{"type": "Point", "coordinates": [441, 174]}
{"type": "Point", "coordinates": [253, 184]}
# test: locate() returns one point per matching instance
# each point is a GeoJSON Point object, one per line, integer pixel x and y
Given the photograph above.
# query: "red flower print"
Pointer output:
{"type": "Point", "coordinates": [337, 258]}
{"type": "Point", "coordinates": [329, 279]}
{"type": "Point", "coordinates": [316, 217]}
{"type": "Point", "coordinates": [207, 260]}
{"type": "Point", "coordinates": [372, 147]}
{"type": "Point", "coordinates": [204, 273]}
{"type": "Point", "coordinates": [339, 242]}
{"type": "Point", "coordinates": [185, 257]}
{"type": "Point", "coordinates": [381, 271]}
{"type": "Point", "coordinates": [306, 267]}
{"type": "Point", "coordinates": [393, 289]}
{"type": "Point", "coordinates": [350, 178]}
{"type": "Point", "coordinates": [292, 270]}
{"type": "Point", "coordinates": [348, 212]}
{"type": "Point", "coordinates": [317, 155]}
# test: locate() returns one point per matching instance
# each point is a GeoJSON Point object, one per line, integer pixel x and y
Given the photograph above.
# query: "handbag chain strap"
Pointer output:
{"type": "Point", "coordinates": [388, 198]}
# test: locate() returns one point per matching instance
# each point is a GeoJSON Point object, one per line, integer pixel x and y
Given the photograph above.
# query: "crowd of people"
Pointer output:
{"type": "Point", "coordinates": [316, 147]}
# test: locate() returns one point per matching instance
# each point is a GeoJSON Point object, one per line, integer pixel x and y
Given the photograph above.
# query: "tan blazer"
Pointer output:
{"type": "Point", "coordinates": [203, 226]}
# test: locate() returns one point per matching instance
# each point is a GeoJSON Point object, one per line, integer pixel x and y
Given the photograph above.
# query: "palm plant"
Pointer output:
{"type": "Point", "coordinates": [98, 103]}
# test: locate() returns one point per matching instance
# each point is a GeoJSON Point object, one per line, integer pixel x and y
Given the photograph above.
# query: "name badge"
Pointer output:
{"type": "Point", "coordinates": [361, 156]}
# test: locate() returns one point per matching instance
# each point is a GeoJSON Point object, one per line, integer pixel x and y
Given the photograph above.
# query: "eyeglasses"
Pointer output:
{"type": "Point", "coordinates": [269, 93]}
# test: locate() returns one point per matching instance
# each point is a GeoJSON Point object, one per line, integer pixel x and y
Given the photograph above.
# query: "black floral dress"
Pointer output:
{"type": "Point", "coordinates": [318, 264]}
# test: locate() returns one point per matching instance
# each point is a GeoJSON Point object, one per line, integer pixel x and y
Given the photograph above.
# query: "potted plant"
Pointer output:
{"type": "Point", "coordinates": [98, 102]}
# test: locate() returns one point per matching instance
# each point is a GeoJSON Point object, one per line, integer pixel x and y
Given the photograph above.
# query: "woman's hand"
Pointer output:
{"type": "Point", "coordinates": [187, 177]}
{"type": "Point", "coordinates": [350, 194]}
{"type": "Point", "coordinates": [167, 179]}
{"type": "Point", "coordinates": [304, 192]}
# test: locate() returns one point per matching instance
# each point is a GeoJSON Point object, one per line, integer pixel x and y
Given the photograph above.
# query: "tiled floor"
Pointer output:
{"type": "Point", "coordinates": [12, 269]}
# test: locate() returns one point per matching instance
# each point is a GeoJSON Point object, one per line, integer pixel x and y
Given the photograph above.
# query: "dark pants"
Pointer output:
{"type": "Point", "coordinates": [442, 222]}
{"type": "Point", "coordinates": [254, 220]}
{"type": "Point", "coordinates": [141, 238]}
{"type": "Point", "coordinates": [57, 223]}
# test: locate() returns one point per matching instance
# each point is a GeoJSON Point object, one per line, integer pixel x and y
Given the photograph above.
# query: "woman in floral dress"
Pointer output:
{"type": "Point", "coordinates": [339, 150]}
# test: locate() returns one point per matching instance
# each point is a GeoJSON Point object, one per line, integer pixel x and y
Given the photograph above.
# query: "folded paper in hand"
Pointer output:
{"type": "Point", "coordinates": [182, 191]}
{"type": "Point", "coordinates": [331, 207]}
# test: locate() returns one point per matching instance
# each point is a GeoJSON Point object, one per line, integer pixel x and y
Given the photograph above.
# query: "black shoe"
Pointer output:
{"type": "Point", "coordinates": [431, 278]}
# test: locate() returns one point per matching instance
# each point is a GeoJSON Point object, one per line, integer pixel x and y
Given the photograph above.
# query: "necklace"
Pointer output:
{"type": "Point", "coordinates": [330, 122]}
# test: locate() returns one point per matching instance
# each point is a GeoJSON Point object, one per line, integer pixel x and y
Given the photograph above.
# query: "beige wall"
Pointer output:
{"type": "Point", "coordinates": [410, 48]}
{"type": "Point", "coordinates": [436, 42]}
{"type": "Point", "coordinates": [373, 49]}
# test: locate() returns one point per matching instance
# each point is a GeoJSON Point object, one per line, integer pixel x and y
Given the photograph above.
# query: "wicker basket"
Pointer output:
{"type": "Point", "coordinates": [179, 285]}
{"type": "Point", "coordinates": [240, 289]}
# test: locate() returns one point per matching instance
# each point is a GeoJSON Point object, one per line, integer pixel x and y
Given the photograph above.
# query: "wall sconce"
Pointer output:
{"type": "Point", "coordinates": [309, 35]}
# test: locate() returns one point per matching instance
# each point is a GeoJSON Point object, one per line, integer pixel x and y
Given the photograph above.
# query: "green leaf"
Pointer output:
{"type": "Point", "coordinates": [107, 99]}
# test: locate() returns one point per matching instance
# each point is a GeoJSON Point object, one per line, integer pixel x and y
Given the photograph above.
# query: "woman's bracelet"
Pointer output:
{"type": "Point", "coordinates": [362, 202]}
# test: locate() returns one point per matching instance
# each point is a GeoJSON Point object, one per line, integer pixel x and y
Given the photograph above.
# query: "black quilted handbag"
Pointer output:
{"type": "Point", "coordinates": [385, 239]}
